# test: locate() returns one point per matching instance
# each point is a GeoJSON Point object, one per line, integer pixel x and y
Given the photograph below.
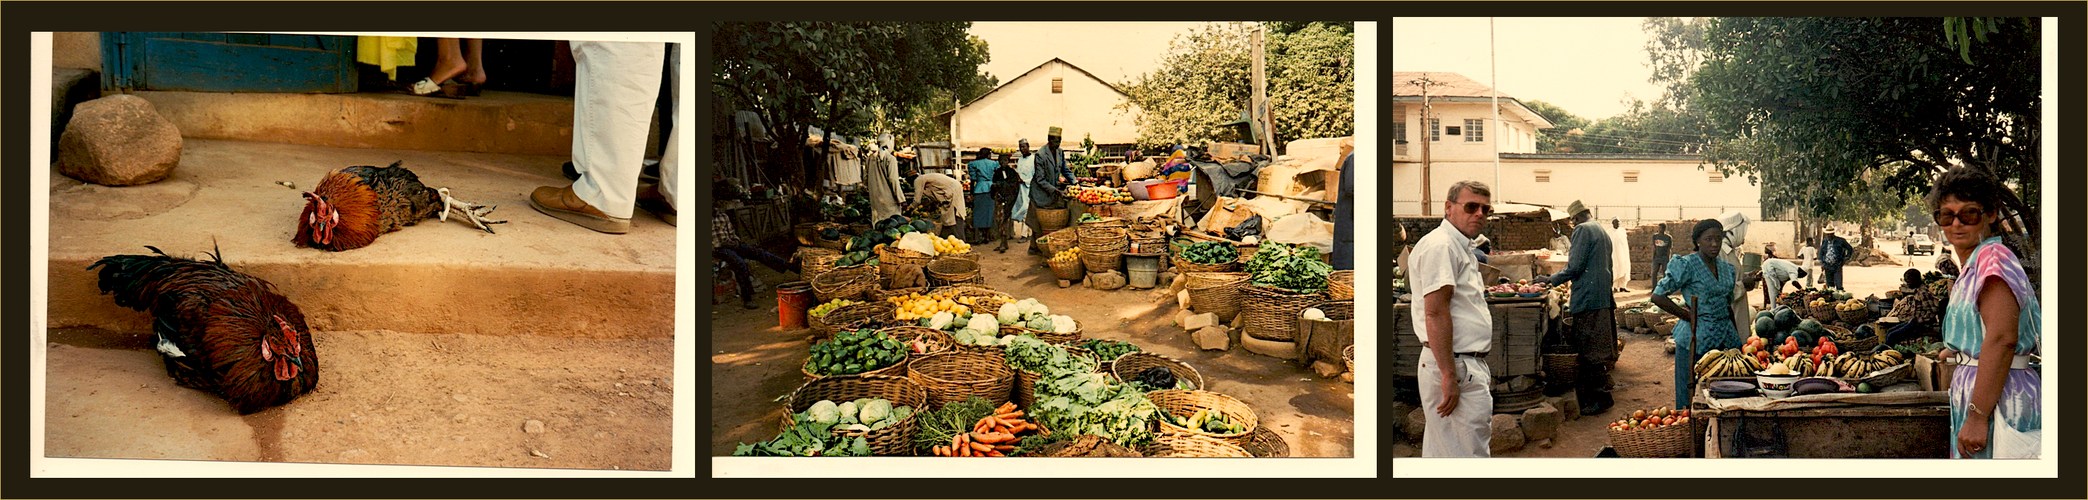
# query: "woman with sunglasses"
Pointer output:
{"type": "Point", "coordinates": [1991, 323]}
{"type": "Point", "coordinates": [1707, 322]}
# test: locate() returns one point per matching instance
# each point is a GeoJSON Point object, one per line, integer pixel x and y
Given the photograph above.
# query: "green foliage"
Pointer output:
{"type": "Point", "coordinates": [1205, 81]}
{"type": "Point", "coordinates": [1294, 268]}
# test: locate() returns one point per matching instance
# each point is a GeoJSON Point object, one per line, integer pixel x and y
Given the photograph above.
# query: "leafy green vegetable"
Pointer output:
{"type": "Point", "coordinates": [936, 427]}
{"type": "Point", "coordinates": [1027, 353]}
{"type": "Point", "coordinates": [1293, 268]}
{"type": "Point", "coordinates": [1211, 252]}
{"type": "Point", "coordinates": [854, 352]}
{"type": "Point", "coordinates": [1108, 350]}
{"type": "Point", "coordinates": [807, 438]}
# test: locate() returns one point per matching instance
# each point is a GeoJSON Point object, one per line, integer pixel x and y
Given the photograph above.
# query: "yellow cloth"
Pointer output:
{"type": "Point", "coordinates": [386, 52]}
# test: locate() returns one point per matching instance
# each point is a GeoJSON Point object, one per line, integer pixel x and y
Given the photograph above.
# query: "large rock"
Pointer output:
{"type": "Point", "coordinates": [1270, 348]}
{"type": "Point", "coordinates": [1507, 435]}
{"type": "Point", "coordinates": [1541, 422]}
{"type": "Point", "coordinates": [1200, 321]}
{"type": "Point", "coordinates": [1212, 339]}
{"type": "Point", "coordinates": [118, 141]}
{"type": "Point", "coordinates": [1325, 369]}
{"type": "Point", "coordinates": [1568, 406]}
{"type": "Point", "coordinates": [1416, 424]}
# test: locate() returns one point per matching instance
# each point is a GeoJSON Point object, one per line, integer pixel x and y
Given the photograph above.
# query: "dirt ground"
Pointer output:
{"type": "Point", "coordinates": [753, 362]}
{"type": "Point", "coordinates": [384, 398]}
{"type": "Point", "coordinates": [1644, 377]}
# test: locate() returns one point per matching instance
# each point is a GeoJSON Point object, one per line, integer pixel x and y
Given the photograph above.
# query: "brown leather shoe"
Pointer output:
{"type": "Point", "coordinates": [652, 200]}
{"type": "Point", "coordinates": [564, 205]}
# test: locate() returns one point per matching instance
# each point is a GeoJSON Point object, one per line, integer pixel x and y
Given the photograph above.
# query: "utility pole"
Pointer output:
{"type": "Point", "coordinates": [1426, 204]}
{"type": "Point", "coordinates": [1259, 106]}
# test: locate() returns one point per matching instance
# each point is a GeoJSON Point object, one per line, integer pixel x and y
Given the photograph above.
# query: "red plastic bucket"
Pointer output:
{"type": "Point", "coordinates": [793, 300]}
{"type": "Point", "coordinates": [1163, 190]}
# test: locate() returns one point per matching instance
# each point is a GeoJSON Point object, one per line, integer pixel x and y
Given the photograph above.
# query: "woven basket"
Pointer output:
{"type": "Point", "coordinates": [1273, 314]}
{"type": "Point", "coordinates": [882, 295]}
{"type": "Point", "coordinates": [1098, 261]}
{"type": "Point", "coordinates": [814, 260]}
{"type": "Point", "coordinates": [859, 315]}
{"type": "Point", "coordinates": [937, 340]}
{"type": "Point", "coordinates": [1188, 446]}
{"type": "Point", "coordinates": [895, 369]}
{"type": "Point", "coordinates": [1050, 219]}
{"type": "Point", "coordinates": [954, 292]}
{"type": "Point", "coordinates": [1247, 252]}
{"type": "Point", "coordinates": [953, 376]}
{"type": "Point", "coordinates": [1060, 240]}
{"type": "Point", "coordinates": [1881, 378]}
{"type": "Point", "coordinates": [1823, 313]}
{"type": "Point", "coordinates": [1026, 381]}
{"type": "Point", "coordinates": [1341, 285]}
{"type": "Point", "coordinates": [1184, 265]}
{"type": "Point", "coordinates": [1108, 226]}
{"type": "Point", "coordinates": [945, 271]}
{"type": "Point", "coordinates": [894, 262]}
{"type": "Point", "coordinates": [1217, 293]}
{"type": "Point", "coordinates": [1853, 316]}
{"type": "Point", "coordinates": [1047, 337]}
{"type": "Point", "coordinates": [1266, 443]}
{"type": "Point", "coordinates": [1848, 340]}
{"type": "Point", "coordinates": [1069, 270]}
{"type": "Point", "coordinates": [896, 439]}
{"type": "Point", "coordinates": [1674, 441]}
{"type": "Point", "coordinates": [851, 282]}
{"type": "Point", "coordinates": [1348, 357]}
{"type": "Point", "coordinates": [1563, 368]}
{"type": "Point", "coordinates": [1128, 366]}
{"type": "Point", "coordinates": [1183, 404]}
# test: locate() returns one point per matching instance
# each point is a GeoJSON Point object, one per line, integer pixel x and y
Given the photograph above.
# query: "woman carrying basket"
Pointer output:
{"type": "Point", "coordinates": [1707, 281]}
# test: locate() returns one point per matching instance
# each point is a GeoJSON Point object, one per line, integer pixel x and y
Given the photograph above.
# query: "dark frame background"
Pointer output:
{"type": "Point", "coordinates": [22, 18]}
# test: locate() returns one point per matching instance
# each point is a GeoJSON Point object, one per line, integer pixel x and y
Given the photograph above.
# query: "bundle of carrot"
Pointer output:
{"type": "Point", "coordinates": [994, 436]}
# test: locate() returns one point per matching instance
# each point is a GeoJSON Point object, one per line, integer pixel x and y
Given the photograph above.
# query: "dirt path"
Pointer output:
{"type": "Point", "coordinates": [384, 398]}
{"type": "Point", "coordinates": [753, 362]}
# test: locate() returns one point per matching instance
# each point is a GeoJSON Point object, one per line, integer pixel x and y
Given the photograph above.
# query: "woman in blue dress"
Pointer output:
{"type": "Point", "coordinates": [1991, 325]}
{"type": "Point", "coordinates": [1701, 278]}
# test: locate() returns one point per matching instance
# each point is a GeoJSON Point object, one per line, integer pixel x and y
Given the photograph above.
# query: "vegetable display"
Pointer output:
{"type": "Point", "coordinates": [1293, 268]}
{"type": "Point", "coordinates": [822, 310]}
{"type": "Point", "coordinates": [1108, 349]}
{"type": "Point", "coordinates": [1207, 421]}
{"type": "Point", "coordinates": [813, 432]}
{"type": "Point", "coordinates": [994, 435]}
{"type": "Point", "coordinates": [1160, 378]}
{"type": "Point", "coordinates": [1211, 252]}
{"type": "Point", "coordinates": [979, 329]}
{"type": "Point", "coordinates": [1642, 419]}
{"type": "Point", "coordinates": [1029, 354]}
{"type": "Point", "coordinates": [1072, 399]}
{"type": "Point", "coordinates": [938, 427]}
{"type": "Point", "coordinates": [1069, 255]}
{"type": "Point", "coordinates": [853, 352]}
{"type": "Point", "coordinates": [1099, 195]}
{"type": "Point", "coordinates": [1089, 217]}
{"type": "Point", "coordinates": [915, 306]}
{"type": "Point", "coordinates": [1028, 313]}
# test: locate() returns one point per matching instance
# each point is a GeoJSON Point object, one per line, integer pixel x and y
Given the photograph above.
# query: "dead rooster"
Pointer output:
{"type": "Point", "coordinates": [353, 206]}
{"type": "Point", "coordinates": [218, 330]}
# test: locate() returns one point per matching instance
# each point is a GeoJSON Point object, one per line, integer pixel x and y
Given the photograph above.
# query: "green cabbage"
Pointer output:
{"type": "Point", "coordinates": [876, 411]}
{"type": "Point", "coordinates": [825, 412]}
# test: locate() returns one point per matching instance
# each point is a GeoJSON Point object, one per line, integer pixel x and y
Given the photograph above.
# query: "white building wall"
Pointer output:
{"type": "Point", "coordinates": [1026, 108]}
{"type": "Point", "coordinates": [1665, 190]}
{"type": "Point", "coordinates": [1517, 136]}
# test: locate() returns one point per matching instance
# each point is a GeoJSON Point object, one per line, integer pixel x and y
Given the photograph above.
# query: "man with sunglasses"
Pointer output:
{"type": "Point", "coordinates": [1834, 253]}
{"type": "Point", "coordinates": [1456, 328]}
{"type": "Point", "coordinates": [1593, 324]}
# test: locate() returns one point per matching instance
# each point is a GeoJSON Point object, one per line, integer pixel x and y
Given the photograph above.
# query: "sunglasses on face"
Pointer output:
{"type": "Point", "coordinates": [1967, 216]}
{"type": "Point", "coordinates": [1473, 207]}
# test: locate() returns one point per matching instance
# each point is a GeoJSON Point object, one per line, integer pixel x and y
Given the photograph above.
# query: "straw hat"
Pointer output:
{"type": "Point", "coordinates": [1576, 208]}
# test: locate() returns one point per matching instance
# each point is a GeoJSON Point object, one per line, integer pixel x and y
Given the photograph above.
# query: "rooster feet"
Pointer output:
{"type": "Point", "coordinates": [470, 212]}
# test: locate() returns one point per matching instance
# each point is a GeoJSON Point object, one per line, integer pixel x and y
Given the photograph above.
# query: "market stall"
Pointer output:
{"type": "Point", "coordinates": [1521, 321]}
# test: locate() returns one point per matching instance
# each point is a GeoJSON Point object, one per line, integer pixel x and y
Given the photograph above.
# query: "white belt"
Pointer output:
{"type": "Point", "coordinates": [2020, 362]}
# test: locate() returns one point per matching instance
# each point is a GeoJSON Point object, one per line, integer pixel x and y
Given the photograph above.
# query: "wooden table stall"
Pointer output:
{"type": "Point", "coordinates": [1892, 424]}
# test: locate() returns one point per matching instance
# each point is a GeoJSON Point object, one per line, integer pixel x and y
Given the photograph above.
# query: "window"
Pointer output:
{"type": "Point", "coordinates": [1475, 130]}
{"type": "Point", "coordinates": [1717, 176]}
{"type": "Point", "coordinates": [1399, 126]}
{"type": "Point", "coordinates": [1435, 130]}
{"type": "Point", "coordinates": [1631, 176]}
{"type": "Point", "coordinates": [1058, 85]}
{"type": "Point", "coordinates": [1454, 131]}
{"type": "Point", "coordinates": [1544, 175]}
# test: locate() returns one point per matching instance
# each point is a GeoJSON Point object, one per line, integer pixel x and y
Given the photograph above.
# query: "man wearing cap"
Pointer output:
{"type": "Point", "coordinates": [1456, 329]}
{"type": "Point", "coordinates": [1834, 252]}
{"type": "Point", "coordinates": [1592, 326]}
{"type": "Point", "coordinates": [1049, 182]}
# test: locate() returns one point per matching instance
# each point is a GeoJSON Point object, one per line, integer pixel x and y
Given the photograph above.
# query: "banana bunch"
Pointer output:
{"type": "Point", "coordinates": [951, 245]}
{"type": "Point", "coordinates": [915, 306]}
{"type": "Point", "coordinates": [1726, 363]}
{"type": "Point", "coordinates": [1069, 255]}
{"type": "Point", "coordinates": [1856, 365]}
{"type": "Point", "coordinates": [822, 310]}
{"type": "Point", "coordinates": [1798, 365]}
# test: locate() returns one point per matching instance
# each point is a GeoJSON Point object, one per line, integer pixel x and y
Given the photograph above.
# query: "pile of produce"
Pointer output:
{"type": "Point", "coordinates": [938, 427]}
{"type": "Point", "coordinates": [1925, 305]}
{"type": "Point", "coordinates": [1292, 268]}
{"type": "Point", "coordinates": [1211, 252]}
{"type": "Point", "coordinates": [815, 431]}
{"type": "Point", "coordinates": [1854, 365]}
{"type": "Point", "coordinates": [1028, 313]}
{"type": "Point", "coordinates": [1207, 421]}
{"type": "Point", "coordinates": [1723, 363]}
{"type": "Point", "coordinates": [1029, 354]}
{"type": "Point", "coordinates": [1073, 400]}
{"type": "Point", "coordinates": [993, 435]}
{"type": "Point", "coordinates": [1088, 446]}
{"type": "Point", "coordinates": [855, 209]}
{"type": "Point", "coordinates": [1160, 378]}
{"type": "Point", "coordinates": [821, 310]}
{"type": "Point", "coordinates": [976, 329]}
{"type": "Point", "coordinates": [1089, 217]}
{"type": "Point", "coordinates": [914, 306]}
{"type": "Point", "coordinates": [855, 257]}
{"type": "Point", "coordinates": [1098, 195]}
{"type": "Point", "coordinates": [887, 232]}
{"type": "Point", "coordinates": [1516, 288]}
{"type": "Point", "coordinates": [1108, 349]}
{"type": "Point", "coordinates": [856, 351]}
{"type": "Point", "coordinates": [1659, 417]}
{"type": "Point", "coordinates": [1781, 322]}
{"type": "Point", "coordinates": [1068, 255]}
{"type": "Point", "coordinates": [951, 244]}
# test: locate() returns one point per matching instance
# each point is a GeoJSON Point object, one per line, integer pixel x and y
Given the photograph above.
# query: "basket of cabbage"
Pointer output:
{"type": "Point", "coordinates": [1029, 317]}
{"type": "Point", "coordinates": [877, 408]}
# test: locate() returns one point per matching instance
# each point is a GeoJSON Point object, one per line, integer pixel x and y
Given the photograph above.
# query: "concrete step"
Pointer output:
{"type": "Point", "coordinates": [538, 276]}
{"type": "Point", "coordinates": [383, 397]}
{"type": "Point", "coordinates": [496, 122]}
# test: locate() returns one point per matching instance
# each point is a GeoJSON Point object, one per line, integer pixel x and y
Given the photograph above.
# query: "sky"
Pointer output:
{"type": "Point", "coordinates": [1588, 66]}
{"type": "Point", "coordinates": [1113, 51]}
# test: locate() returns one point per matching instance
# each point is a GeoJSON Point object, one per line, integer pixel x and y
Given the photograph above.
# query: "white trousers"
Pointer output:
{"type": "Point", "coordinates": [615, 87]}
{"type": "Point", "coordinates": [1468, 431]}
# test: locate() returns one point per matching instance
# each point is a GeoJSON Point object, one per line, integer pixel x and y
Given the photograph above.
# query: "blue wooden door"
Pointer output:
{"type": "Point", "coordinates": [228, 62]}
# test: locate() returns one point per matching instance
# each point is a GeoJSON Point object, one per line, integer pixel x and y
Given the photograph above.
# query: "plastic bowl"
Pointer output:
{"type": "Point", "coordinates": [1773, 394]}
{"type": "Point", "coordinates": [1777, 383]}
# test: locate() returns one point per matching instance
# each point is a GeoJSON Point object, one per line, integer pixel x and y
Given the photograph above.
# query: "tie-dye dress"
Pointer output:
{"type": "Point", "coordinates": [1963, 330]}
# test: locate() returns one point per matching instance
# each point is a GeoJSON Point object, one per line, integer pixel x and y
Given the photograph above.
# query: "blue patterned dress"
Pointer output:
{"type": "Point", "coordinates": [1687, 275]}
{"type": "Point", "coordinates": [2021, 402]}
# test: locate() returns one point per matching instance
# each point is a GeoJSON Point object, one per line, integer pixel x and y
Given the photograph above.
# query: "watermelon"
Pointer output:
{"type": "Point", "coordinates": [1804, 339]}
{"type": "Point", "coordinates": [1811, 326]}
{"type": "Point", "coordinates": [922, 225]}
{"type": "Point", "coordinates": [830, 233]}
{"type": "Point", "coordinates": [1764, 323]}
{"type": "Point", "coordinates": [1786, 318]}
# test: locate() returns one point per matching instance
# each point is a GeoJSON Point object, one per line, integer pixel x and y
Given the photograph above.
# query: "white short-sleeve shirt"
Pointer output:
{"type": "Point", "coordinates": [1443, 259]}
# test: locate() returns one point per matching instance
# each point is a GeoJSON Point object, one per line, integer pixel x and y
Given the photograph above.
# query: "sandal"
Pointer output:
{"type": "Point", "coordinates": [427, 87]}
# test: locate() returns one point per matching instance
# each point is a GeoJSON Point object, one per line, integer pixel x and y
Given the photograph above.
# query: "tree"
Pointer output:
{"type": "Point", "coordinates": [1559, 138]}
{"type": "Point", "coordinates": [1204, 82]}
{"type": "Point", "coordinates": [1808, 106]}
{"type": "Point", "coordinates": [846, 77]}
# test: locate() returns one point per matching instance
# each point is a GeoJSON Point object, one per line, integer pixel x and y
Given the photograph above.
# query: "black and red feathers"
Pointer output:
{"type": "Point", "coordinates": [217, 329]}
